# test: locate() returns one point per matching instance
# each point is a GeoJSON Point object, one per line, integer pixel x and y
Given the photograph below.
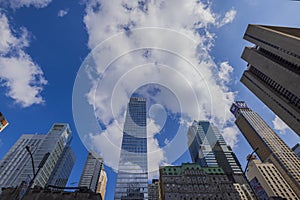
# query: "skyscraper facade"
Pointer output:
{"type": "Point", "coordinates": [153, 193]}
{"type": "Point", "coordinates": [202, 136]}
{"type": "Point", "coordinates": [132, 179]}
{"type": "Point", "coordinates": [296, 150]}
{"type": "Point", "coordinates": [270, 148]}
{"type": "Point", "coordinates": [50, 148]}
{"type": "Point", "coordinates": [267, 182]}
{"type": "Point", "coordinates": [208, 148]}
{"type": "Point", "coordinates": [63, 168]}
{"type": "Point", "coordinates": [91, 175]}
{"type": "Point", "coordinates": [58, 138]}
{"type": "Point", "coordinates": [101, 188]}
{"type": "Point", "coordinates": [15, 160]}
{"type": "Point", "coordinates": [273, 73]}
{"type": "Point", "coordinates": [191, 181]}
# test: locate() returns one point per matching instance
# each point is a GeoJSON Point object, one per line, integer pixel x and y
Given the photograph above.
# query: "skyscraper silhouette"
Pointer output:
{"type": "Point", "coordinates": [132, 179]}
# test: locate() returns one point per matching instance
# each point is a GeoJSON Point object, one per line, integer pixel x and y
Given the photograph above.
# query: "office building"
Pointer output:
{"type": "Point", "coordinates": [296, 150]}
{"type": "Point", "coordinates": [101, 189]}
{"type": "Point", "coordinates": [273, 72]}
{"type": "Point", "coordinates": [153, 190]}
{"type": "Point", "coordinates": [63, 169]}
{"type": "Point", "coordinates": [267, 182]}
{"type": "Point", "coordinates": [91, 176]}
{"type": "Point", "coordinates": [208, 148]}
{"type": "Point", "coordinates": [49, 155]}
{"type": "Point", "coordinates": [191, 181]}
{"type": "Point", "coordinates": [202, 137]}
{"type": "Point", "coordinates": [16, 159]}
{"type": "Point", "coordinates": [3, 122]}
{"type": "Point", "coordinates": [132, 179]}
{"type": "Point", "coordinates": [58, 138]}
{"type": "Point", "coordinates": [270, 148]}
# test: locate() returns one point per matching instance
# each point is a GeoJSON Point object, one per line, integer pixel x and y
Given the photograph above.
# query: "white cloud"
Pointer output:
{"type": "Point", "coordinates": [279, 125]}
{"type": "Point", "coordinates": [229, 17]}
{"type": "Point", "coordinates": [19, 74]}
{"type": "Point", "coordinates": [107, 144]}
{"type": "Point", "coordinates": [62, 13]}
{"type": "Point", "coordinates": [224, 72]}
{"type": "Point", "coordinates": [230, 135]}
{"type": "Point", "coordinates": [156, 155]}
{"type": "Point", "coordinates": [155, 42]}
{"type": "Point", "coordinates": [26, 3]}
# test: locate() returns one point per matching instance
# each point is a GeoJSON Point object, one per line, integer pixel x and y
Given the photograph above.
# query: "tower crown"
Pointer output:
{"type": "Point", "coordinates": [236, 106]}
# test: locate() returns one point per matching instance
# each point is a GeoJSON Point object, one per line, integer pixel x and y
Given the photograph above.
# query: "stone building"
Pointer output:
{"type": "Point", "coordinates": [191, 181]}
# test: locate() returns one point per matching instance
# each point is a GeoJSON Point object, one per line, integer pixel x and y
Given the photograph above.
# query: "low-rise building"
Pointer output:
{"type": "Point", "coordinates": [191, 181]}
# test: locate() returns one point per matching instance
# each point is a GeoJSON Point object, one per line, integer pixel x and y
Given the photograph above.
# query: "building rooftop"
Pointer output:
{"type": "Point", "coordinates": [177, 170]}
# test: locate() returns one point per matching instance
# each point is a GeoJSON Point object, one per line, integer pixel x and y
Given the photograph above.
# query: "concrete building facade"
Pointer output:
{"type": "Point", "coordinates": [273, 72]}
{"type": "Point", "coordinates": [268, 182]}
{"type": "Point", "coordinates": [191, 181]}
{"type": "Point", "coordinates": [270, 148]}
{"type": "Point", "coordinates": [296, 150]}
{"type": "Point", "coordinates": [153, 190]}
{"type": "Point", "coordinates": [91, 176]}
{"type": "Point", "coordinates": [101, 188]}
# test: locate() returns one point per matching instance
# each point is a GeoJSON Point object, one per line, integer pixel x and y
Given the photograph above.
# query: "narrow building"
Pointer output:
{"type": "Point", "coordinates": [269, 147]}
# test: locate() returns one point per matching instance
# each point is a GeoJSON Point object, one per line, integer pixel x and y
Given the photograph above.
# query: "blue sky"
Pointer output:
{"type": "Point", "coordinates": [183, 56]}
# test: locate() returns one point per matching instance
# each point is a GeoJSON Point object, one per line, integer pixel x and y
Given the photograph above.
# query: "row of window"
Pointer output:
{"type": "Point", "coordinates": [278, 103]}
{"type": "Point", "coordinates": [289, 65]}
{"type": "Point", "coordinates": [289, 96]}
{"type": "Point", "coordinates": [273, 46]}
{"type": "Point", "coordinates": [206, 196]}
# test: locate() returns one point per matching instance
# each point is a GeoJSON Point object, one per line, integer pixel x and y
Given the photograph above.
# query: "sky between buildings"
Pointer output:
{"type": "Point", "coordinates": [79, 62]}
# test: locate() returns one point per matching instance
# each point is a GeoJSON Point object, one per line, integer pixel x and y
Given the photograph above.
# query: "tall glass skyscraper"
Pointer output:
{"type": "Point", "coordinates": [201, 139]}
{"type": "Point", "coordinates": [58, 138]}
{"type": "Point", "coordinates": [15, 160]}
{"type": "Point", "coordinates": [132, 180]}
{"type": "Point", "coordinates": [16, 165]}
{"type": "Point", "coordinates": [208, 148]}
{"type": "Point", "coordinates": [63, 169]}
